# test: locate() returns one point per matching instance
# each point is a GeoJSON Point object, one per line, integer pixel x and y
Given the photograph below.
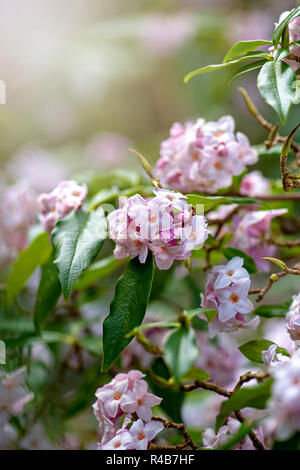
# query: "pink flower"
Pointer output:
{"type": "Point", "coordinates": [212, 440]}
{"type": "Point", "coordinates": [123, 440]}
{"type": "Point", "coordinates": [165, 225]}
{"type": "Point", "coordinates": [54, 206]}
{"type": "Point", "coordinates": [203, 156]}
{"type": "Point", "coordinates": [293, 318]}
{"type": "Point", "coordinates": [144, 401]}
{"type": "Point", "coordinates": [115, 397]}
{"type": "Point", "coordinates": [250, 233]}
{"type": "Point", "coordinates": [230, 300]}
{"type": "Point", "coordinates": [144, 433]}
{"type": "Point", "coordinates": [254, 184]}
{"type": "Point", "coordinates": [271, 358]}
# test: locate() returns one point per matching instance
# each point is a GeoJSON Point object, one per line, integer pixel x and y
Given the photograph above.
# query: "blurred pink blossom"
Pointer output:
{"type": "Point", "coordinates": [108, 150]}
{"type": "Point", "coordinates": [254, 184]}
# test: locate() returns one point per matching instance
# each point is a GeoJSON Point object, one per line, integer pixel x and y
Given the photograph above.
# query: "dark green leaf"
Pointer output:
{"type": "Point", "coordinates": [180, 352]}
{"type": "Point", "coordinates": [28, 261]}
{"type": "Point", "coordinates": [243, 47]}
{"type": "Point", "coordinates": [77, 240]}
{"type": "Point", "coordinates": [253, 397]}
{"type": "Point", "coordinates": [275, 83]}
{"type": "Point", "coordinates": [249, 262]}
{"type": "Point", "coordinates": [211, 202]}
{"type": "Point", "coordinates": [270, 311]}
{"type": "Point", "coordinates": [128, 308]}
{"type": "Point", "coordinates": [48, 294]}
{"type": "Point", "coordinates": [253, 350]}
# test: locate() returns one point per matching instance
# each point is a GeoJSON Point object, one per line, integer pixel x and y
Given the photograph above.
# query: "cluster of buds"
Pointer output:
{"type": "Point", "coordinates": [226, 291]}
{"type": "Point", "coordinates": [54, 206]}
{"type": "Point", "coordinates": [17, 212]}
{"type": "Point", "coordinates": [126, 395]}
{"type": "Point", "coordinates": [166, 224]}
{"type": "Point", "coordinates": [203, 156]}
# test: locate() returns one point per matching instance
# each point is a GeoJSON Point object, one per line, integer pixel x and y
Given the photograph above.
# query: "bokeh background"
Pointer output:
{"type": "Point", "coordinates": [87, 79]}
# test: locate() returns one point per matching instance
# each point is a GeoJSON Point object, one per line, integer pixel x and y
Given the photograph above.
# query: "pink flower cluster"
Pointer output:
{"type": "Point", "coordinates": [17, 212]}
{"type": "Point", "coordinates": [166, 225]}
{"type": "Point", "coordinates": [226, 291]}
{"type": "Point", "coordinates": [117, 401]}
{"type": "Point", "coordinates": [293, 318]}
{"type": "Point", "coordinates": [68, 195]}
{"type": "Point", "coordinates": [254, 184]}
{"type": "Point", "coordinates": [212, 440]}
{"type": "Point", "coordinates": [251, 232]}
{"type": "Point", "coordinates": [203, 156]}
{"type": "Point", "coordinates": [284, 406]}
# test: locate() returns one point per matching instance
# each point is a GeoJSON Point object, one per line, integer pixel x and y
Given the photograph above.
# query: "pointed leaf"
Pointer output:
{"type": "Point", "coordinates": [253, 349]}
{"type": "Point", "coordinates": [281, 27]}
{"type": "Point", "coordinates": [77, 240]}
{"type": "Point", "coordinates": [128, 308]}
{"type": "Point", "coordinates": [243, 47]}
{"type": "Point", "coordinates": [248, 68]}
{"type": "Point", "coordinates": [275, 83]}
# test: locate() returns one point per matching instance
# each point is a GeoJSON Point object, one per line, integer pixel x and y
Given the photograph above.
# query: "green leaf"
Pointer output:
{"type": "Point", "coordinates": [281, 27]}
{"type": "Point", "coordinates": [243, 47]}
{"type": "Point", "coordinates": [247, 68]}
{"type": "Point", "coordinates": [48, 294]}
{"type": "Point", "coordinates": [212, 68]}
{"type": "Point", "coordinates": [277, 262]}
{"type": "Point", "coordinates": [195, 373]}
{"type": "Point", "coordinates": [253, 397]}
{"type": "Point", "coordinates": [270, 311]}
{"type": "Point", "coordinates": [77, 240]}
{"type": "Point", "coordinates": [211, 202]}
{"type": "Point", "coordinates": [249, 262]}
{"type": "Point", "coordinates": [275, 83]}
{"type": "Point", "coordinates": [99, 270]}
{"type": "Point", "coordinates": [28, 261]}
{"type": "Point", "coordinates": [128, 308]}
{"type": "Point", "coordinates": [210, 313]}
{"type": "Point", "coordinates": [253, 349]}
{"type": "Point", "coordinates": [180, 352]}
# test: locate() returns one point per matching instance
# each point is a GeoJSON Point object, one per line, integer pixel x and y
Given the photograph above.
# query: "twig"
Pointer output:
{"type": "Point", "coordinates": [188, 441]}
{"type": "Point", "coordinates": [274, 278]}
{"type": "Point", "coordinates": [206, 386]}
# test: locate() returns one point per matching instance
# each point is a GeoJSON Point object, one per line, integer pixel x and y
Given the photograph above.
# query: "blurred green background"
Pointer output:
{"type": "Point", "coordinates": [87, 79]}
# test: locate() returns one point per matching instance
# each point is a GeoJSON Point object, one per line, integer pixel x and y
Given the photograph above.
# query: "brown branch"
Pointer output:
{"type": "Point", "coordinates": [284, 244]}
{"type": "Point", "coordinates": [249, 375]}
{"type": "Point", "coordinates": [274, 278]}
{"type": "Point", "coordinates": [255, 440]}
{"type": "Point", "coordinates": [212, 387]}
{"type": "Point", "coordinates": [188, 441]}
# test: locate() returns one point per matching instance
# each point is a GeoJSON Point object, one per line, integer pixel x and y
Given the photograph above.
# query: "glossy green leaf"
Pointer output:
{"type": "Point", "coordinates": [249, 262]}
{"type": "Point", "coordinates": [48, 294]}
{"type": "Point", "coordinates": [275, 83]}
{"type": "Point", "coordinates": [180, 352]}
{"type": "Point", "coordinates": [212, 68]}
{"type": "Point", "coordinates": [243, 47]}
{"type": "Point", "coordinates": [270, 311]}
{"type": "Point", "coordinates": [127, 309]}
{"type": "Point", "coordinates": [253, 397]}
{"type": "Point", "coordinates": [99, 270]}
{"type": "Point", "coordinates": [248, 68]}
{"type": "Point", "coordinates": [77, 240]}
{"type": "Point", "coordinates": [28, 261]}
{"type": "Point", "coordinates": [281, 27]}
{"type": "Point", "coordinates": [253, 349]}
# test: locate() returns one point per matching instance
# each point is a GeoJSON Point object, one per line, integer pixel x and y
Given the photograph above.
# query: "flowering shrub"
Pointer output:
{"type": "Point", "coordinates": [167, 290]}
